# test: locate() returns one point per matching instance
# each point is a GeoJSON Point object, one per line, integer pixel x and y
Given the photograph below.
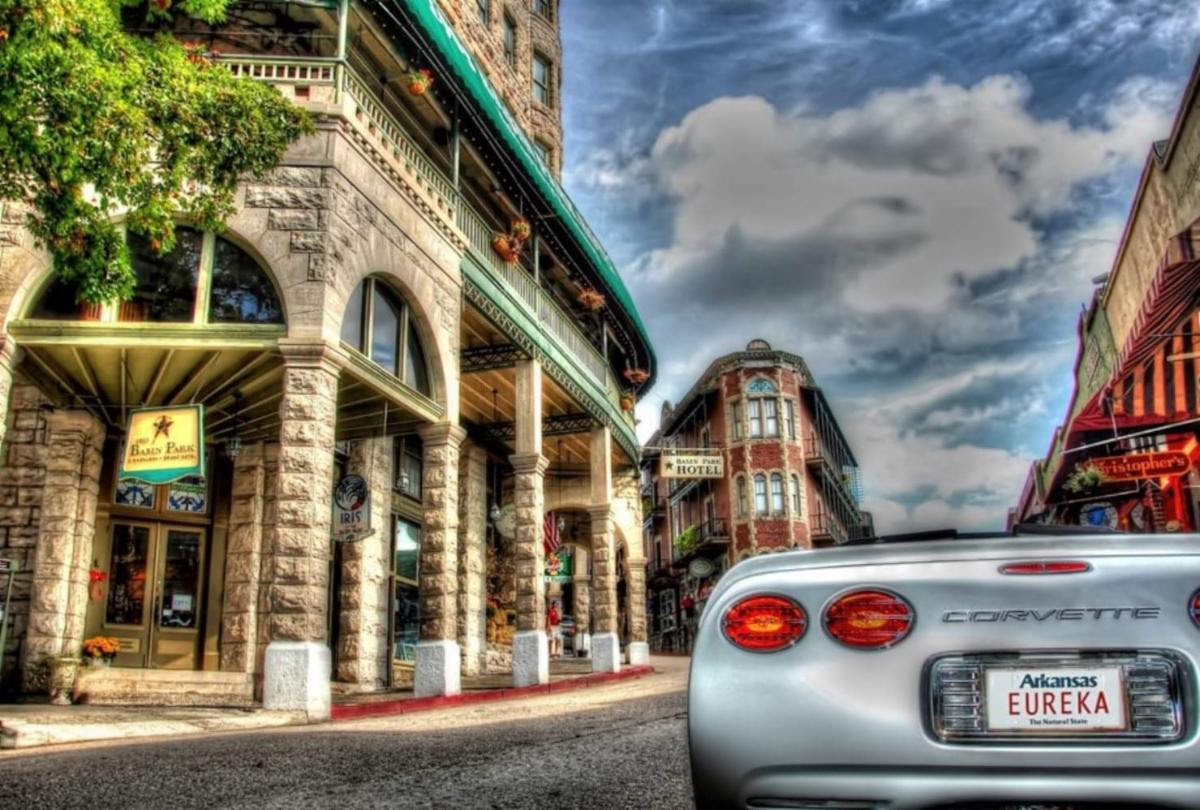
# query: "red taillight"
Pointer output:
{"type": "Point", "coordinates": [1194, 607]}
{"type": "Point", "coordinates": [765, 623]}
{"type": "Point", "coordinates": [869, 619]}
{"type": "Point", "coordinates": [1046, 567]}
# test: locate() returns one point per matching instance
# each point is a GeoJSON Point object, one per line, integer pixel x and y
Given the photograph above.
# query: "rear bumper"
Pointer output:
{"type": "Point", "coordinates": [913, 788]}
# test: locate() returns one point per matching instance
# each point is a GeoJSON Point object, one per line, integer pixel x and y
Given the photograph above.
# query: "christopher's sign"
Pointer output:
{"type": "Point", "coordinates": [1141, 465]}
{"type": "Point", "coordinates": [164, 444]}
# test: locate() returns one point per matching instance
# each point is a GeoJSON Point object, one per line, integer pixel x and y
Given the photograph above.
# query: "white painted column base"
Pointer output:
{"type": "Point", "coordinates": [437, 669]}
{"type": "Point", "coordinates": [296, 678]}
{"type": "Point", "coordinates": [606, 653]}
{"type": "Point", "coordinates": [639, 653]}
{"type": "Point", "coordinates": [583, 644]}
{"type": "Point", "coordinates": [531, 658]}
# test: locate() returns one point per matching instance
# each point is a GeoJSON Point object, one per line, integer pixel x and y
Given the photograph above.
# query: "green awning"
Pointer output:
{"type": "Point", "coordinates": [430, 18]}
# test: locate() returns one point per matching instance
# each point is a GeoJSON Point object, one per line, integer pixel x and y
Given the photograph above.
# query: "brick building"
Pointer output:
{"type": "Point", "coordinates": [1127, 454]}
{"type": "Point", "coordinates": [790, 480]}
{"type": "Point", "coordinates": [359, 315]}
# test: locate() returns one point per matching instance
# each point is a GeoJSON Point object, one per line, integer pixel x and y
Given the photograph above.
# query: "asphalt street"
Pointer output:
{"type": "Point", "coordinates": [622, 745]}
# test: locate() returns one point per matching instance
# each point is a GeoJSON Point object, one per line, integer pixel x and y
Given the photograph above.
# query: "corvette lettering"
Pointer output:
{"type": "Point", "coordinates": [1050, 614]}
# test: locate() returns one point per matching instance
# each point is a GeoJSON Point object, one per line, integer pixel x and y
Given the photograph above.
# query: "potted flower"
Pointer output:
{"type": "Point", "coordinates": [1084, 479]}
{"type": "Point", "coordinates": [521, 229]}
{"type": "Point", "coordinates": [63, 669]}
{"type": "Point", "coordinates": [100, 650]}
{"type": "Point", "coordinates": [627, 402]}
{"type": "Point", "coordinates": [637, 376]}
{"type": "Point", "coordinates": [591, 299]}
{"type": "Point", "coordinates": [419, 81]}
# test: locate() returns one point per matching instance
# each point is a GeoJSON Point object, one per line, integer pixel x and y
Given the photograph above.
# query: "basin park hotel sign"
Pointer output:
{"type": "Point", "coordinates": [411, 303]}
{"type": "Point", "coordinates": [750, 461]}
{"type": "Point", "coordinates": [1126, 454]}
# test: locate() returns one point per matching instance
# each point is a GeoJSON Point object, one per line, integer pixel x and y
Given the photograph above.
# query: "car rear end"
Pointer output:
{"type": "Point", "coordinates": [985, 673]}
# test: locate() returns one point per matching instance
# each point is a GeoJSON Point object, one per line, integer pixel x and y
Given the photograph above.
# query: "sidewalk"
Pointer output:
{"type": "Point", "coordinates": [34, 725]}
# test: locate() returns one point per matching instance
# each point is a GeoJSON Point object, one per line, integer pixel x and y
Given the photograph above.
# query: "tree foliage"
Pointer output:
{"type": "Point", "coordinates": [97, 122]}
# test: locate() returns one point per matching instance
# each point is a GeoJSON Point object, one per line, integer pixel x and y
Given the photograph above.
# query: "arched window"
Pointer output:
{"type": "Point", "coordinates": [776, 493]}
{"type": "Point", "coordinates": [760, 494]}
{"type": "Point", "coordinates": [378, 323]}
{"type": "Point", "coordinates": [796, 510]}
{"type": "Point", "coordinates": [741, 495]}
{"type": "Point", "coordinates": [203, 279]}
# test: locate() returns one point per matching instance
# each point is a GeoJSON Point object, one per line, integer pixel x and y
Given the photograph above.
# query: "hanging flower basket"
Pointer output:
{"type": "Point", "coordinates": [506, 247]}
{"type": "Point", "coordinates": [591, 299]}
{"type": "Point", "coordinates": [419, 81]}
{"type": "Point", "coordinates": [637, 376]}
{"type": "Point", "coordinates": [627, 402]}
{"type": "Point", "coordinates": [521, 229]}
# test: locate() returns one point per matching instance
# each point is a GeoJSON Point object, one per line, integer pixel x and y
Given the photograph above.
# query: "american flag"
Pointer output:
{"type": "Point", "coordinates": [550, 539]}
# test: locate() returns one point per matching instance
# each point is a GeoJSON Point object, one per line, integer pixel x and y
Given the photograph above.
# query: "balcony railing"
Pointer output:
{"type": "Point", "coordinates": [825, 526]}
{"type": "Point", "coordinates": [389, 136]}
{"type": "Point", "coordinates": [709, 533]}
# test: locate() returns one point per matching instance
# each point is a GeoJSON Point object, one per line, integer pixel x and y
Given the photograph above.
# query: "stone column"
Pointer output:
{"type": "Point", "coordinates": [62, 558]}
{"type": "Point", "coordinates": [635, 596]}
{"type": "Point", "coordinates": [583, 603]}
{"type": "Point", "coordinates": [438, 661]}
{"type": "Point", "coordinates": [243, 562]}
{"type": "Point", "coordinates": [7, 350]}
{"type": "Point", "coordinates": [297, 663]}
{"type": "Point", "coordinates": [364, 601]}
{"type": "Point", "coordinates": [472, 526]}
{"type": "Point", "coordinates": [606, 645]}
{"type": "Point", "coordinates": [531, 655]}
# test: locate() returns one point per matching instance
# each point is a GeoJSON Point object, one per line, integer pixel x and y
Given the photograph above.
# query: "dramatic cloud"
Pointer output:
{"type": "Point", "coordinates": [912, 194]}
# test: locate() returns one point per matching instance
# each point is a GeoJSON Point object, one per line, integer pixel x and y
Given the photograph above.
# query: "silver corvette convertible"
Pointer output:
{"type": "Point", "coordinates": [1008, 672]}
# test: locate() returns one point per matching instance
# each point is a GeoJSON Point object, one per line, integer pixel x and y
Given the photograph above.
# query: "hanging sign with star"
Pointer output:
{"type": "Point", "coordinates": [164, 444]}
{"type": "Point", "coordinates": [682, 464]}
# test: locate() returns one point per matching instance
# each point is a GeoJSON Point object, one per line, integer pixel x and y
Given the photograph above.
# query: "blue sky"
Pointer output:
{"type": "Point", "coordinates": [912, 194]}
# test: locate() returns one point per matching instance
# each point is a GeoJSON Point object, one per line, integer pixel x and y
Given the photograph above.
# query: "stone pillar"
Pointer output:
{"type": "Point", "coordinates": [583, 604]}
{"type": "Point", "coordinates": [606, 645]}
{"type": "Point", "coordinates": [635, 596]}
{"type": "Point", "coordinates": [364, 601]}
{"type": "Point", "coordinates": [243, 562]}
{"type": "Point", "coordinates": [531, 654]}
{"type": "Point", "coordinates": [297, 663]}
{"type": "Point", "coordinates": [472, 527]}
{"type": "Point", "coordinates": [62, 558]}
{"type": "Point", "coordinates": [438, 660]}
{"type": "Point", "coordinates": [7, 350]}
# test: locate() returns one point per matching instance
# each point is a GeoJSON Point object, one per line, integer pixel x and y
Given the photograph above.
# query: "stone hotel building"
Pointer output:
{"type": "Point", "coordinates": [411, 298]}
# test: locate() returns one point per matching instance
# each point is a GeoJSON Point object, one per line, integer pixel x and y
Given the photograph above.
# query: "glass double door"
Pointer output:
{"type": "Point", "coordinates": [155, 593]}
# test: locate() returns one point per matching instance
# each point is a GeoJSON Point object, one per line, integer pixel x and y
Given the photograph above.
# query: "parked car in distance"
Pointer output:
{"type": "Point", "coordinates": [1008, 672]}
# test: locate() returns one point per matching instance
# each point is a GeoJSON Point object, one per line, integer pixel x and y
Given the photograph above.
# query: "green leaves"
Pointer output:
{"type": "Point", "coordinates": [97, 125]}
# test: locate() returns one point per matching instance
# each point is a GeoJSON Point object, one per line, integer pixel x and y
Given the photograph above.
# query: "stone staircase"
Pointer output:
{"type": "Point", "coordinates": [116, 686]}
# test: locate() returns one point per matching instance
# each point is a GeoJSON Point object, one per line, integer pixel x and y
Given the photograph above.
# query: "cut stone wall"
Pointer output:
{"type": "Point", "coordinates": [362, 656]}
{"type": "Point", "coordinates": [22, 476]}
{"type": "Point", "coordinates": [243, 561]}
{"type": "Point", "coordinates": [472, 527]}
{"type": "Point", "coordinates": [439, 533]}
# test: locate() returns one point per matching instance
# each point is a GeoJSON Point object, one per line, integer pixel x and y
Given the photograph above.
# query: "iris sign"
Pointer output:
{"type": "Point", "coordinates": [352, 508]}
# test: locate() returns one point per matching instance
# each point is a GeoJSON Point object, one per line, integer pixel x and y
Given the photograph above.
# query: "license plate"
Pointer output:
{"type": "Point", "coordinates": [1055, 700]}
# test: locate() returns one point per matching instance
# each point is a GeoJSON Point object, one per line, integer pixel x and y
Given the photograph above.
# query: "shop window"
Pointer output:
{"type": "Point", "coordinates": [127, 575]}
{"type": "Point", "coordinates": [796, 510]}
{"type": "Point", "coordinates": [741, 496]}
{"type": "Point", "coordinates": [510, 40]}
{"type": "Point", "coordinates": [776, 493]}
{"type": "Point", "coordinates": [542, 81]}
{"type": "Point", "coordinates": [379, 324]}
{"type": "Point", "coordinates": [408, 465]}
{"type": "Point", "coordinates": [241, 291]}
{"type": "Point", "coordinates": [406, 618]}
{"type": "Point", "coordinates": [760, 494]}
{"type": "Point", "coordinates": [789, 414]}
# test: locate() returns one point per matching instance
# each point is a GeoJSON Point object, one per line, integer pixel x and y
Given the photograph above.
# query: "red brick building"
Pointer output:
{"type": "Point", "coordinates": [790, 480]}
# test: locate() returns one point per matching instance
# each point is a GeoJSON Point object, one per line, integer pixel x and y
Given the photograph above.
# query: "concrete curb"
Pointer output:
{"type": "Point", "coordinates": [18, 733]}
{"type": "Point", "coordinates": [411, 705]}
